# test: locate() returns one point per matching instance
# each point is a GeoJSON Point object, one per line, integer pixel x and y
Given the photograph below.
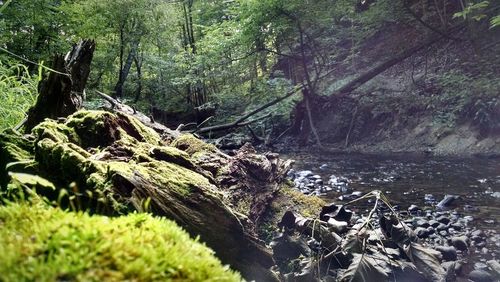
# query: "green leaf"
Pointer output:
{"type": "Point", "coordinates": [365, 268]}
{"type": "Point", "coordinates": [31, 180]}
{"type": "Point", "coordinates": [495, 21]}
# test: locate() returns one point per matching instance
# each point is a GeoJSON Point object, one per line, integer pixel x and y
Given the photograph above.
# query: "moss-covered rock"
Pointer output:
{"type": "Point", "coordinates": [39, 243]}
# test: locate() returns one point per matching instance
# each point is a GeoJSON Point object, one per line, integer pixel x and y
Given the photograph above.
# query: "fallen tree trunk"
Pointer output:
{"type": "Point", "coordinates": [117, 165]}
{"type": "Point", "coordinates": [62, 92]}
{"type": "Point", "coordinates": [239, 121]}
{"type": "Point", "coordinates": [383, 66]}
{"type": "Point", "coordinates": [226, 126]}
{"type": "Point", "coordinates": [118, 106]}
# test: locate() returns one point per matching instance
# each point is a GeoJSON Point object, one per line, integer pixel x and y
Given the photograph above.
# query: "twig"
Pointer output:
{"type": "Point", "coordinates": [350, 126]}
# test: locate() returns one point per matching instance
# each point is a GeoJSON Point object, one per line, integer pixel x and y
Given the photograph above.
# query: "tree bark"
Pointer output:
{"type": "Point", "coordinates": [124, 71]}
{"type": "Point", "coordinates": [61, 93]}
{"type": "Point", "coordinates": [138, 66]}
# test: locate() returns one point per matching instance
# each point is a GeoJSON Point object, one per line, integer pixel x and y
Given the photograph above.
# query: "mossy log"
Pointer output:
{"type": "Point", "coordinates": [111, 163]}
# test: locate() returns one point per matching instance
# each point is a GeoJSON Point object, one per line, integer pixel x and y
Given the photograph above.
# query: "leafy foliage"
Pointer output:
{"type": "Point", "coordinates": [18, 89]}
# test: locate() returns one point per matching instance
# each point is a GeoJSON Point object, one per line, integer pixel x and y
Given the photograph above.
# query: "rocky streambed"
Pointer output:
{"type": "Point", "coordinates": [403, 226]}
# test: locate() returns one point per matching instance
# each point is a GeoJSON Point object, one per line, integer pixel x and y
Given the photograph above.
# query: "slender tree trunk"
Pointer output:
{"type": "Point", "coordinates": [125, 70]}
{"type": "Point", "coordinates": [122, 53]}
{"type": "Point", "coordinates": [138, 66]}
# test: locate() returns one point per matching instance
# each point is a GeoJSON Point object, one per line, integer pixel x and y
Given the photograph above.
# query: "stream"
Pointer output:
{"type": "Point", "coordinates": [409, 181]}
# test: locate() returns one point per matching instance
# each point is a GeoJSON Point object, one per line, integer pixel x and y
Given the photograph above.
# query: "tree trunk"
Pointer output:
{"type": "Point", "coordinates": [125, 70]}
{"type": "Point", "coordinates": [138, 90]}
{"type": "Point", "coordinates": [62, 92]}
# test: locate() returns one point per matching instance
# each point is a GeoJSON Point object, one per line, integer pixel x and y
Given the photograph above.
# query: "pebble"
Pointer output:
{"type": "Point", "coordinates": [304, 173]}
{"type": "Point", "coordinates": [457, 226]}
{"type": "Point", "coordinates": [449, 253]}
{"type": "Point", "coordinates": [460, 242]}
{"type": "Point", "coordinates": [441, 227]}
{"type": "Point", "coordinates": [495, 266]}
{"type": "Point", "coordinates": [421, 232]}
{"type": "Point", "coordinates": [433, 223]}
{"type": "Point", "coordinates": [423, 223]}
{"type": "Point", "coordinates": [413, 208]}
{"type": "Point", "coordinates": [468, 218]}
{"type": "Point", "coordinates": [477, 239]}
{"type": "Point", "coordinates": [480, 276]}
{"type": "Point", "coordinates": [443, 219]}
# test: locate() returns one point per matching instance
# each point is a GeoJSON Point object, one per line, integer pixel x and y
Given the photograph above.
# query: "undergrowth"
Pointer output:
{"type": "Point", "coordinates": [18, 91]}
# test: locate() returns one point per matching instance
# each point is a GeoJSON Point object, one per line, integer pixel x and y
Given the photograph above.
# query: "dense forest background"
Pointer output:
{"type": "Point", "coordinates": [361, 72]}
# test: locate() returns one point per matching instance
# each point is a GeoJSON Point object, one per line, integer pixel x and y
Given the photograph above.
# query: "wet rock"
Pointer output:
{"type": "Point", "coordinates": [357, 194]}
{"type": "Point", "coordinates": [304, 173]}
{"type": "Point", "coordinates": [468, 218]}
{"type": "Point", "coordinates": [413, 209]}
{"type": "Point", "coordinates": [337, 226]}
{"type": "Point", "coordinates": [431, 230]}
{"type": "Point", "coordinates": [443, 219]}
{"type": "Point", "coordinates": [470, 208]}
{"type": "Point", "coordinates": [453, 268]}
{"type": "Point", "coordinates": [495, 267]}
{"type": "Point", "coordinates": [422, 232]}
{"type": "Point", "coordinates": [337, 212]}
{"type": "Point", "coordinates": [457, 226]}
{"type": "Point", "coordinates": [480, 266]}
{"type": "Point", "coordinates": [480, 276]}
{"type": "Point", "coordinates": [477, 239]}
{"type": "Point", "coordinates": [443, 233]}
{"type": "Point", "coordinates": [447, 202]}
{"type": "Point", "coordinates": [478, 233]}
{"type": "Point", "coordinates": [433, 223]}
{"type": "Point", "coordinates": [429, 198]}
{"type": "Point", "coordinates": [449, 253]}
{"type": "Point", "coordinates": [441, 227]}
{"type": "Point", "coordinates": [459, 242]}
{"type": "Point", "coordinates": [286, 247]}
{"type": "Point", "coordinates": [422, 223]}
{"type": "Point", "coordinates": [323, 166]}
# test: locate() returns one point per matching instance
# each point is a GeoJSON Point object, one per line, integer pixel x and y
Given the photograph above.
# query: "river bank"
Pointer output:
{"type": "Point", "coordinates": [451, 204]}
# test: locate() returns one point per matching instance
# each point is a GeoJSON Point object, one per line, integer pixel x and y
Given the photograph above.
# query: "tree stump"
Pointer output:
{"type": "Point", "coordinates": [61, 93]}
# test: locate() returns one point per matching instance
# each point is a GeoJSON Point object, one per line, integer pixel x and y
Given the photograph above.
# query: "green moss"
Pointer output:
{"type": "Point", "coordinates": [56, 132]}
{"type": "Point", "coordinates": [170, 176]}
{"type": "Point", "coordinates": [39, 243]}
{"type": "Point", "coordinates": [100, 128]}
{"type": "Point", "coordinates": [192, 145]}
{"type": "Point", "coordinates": [309, 206]}
{"type": "Point", "coordinates": [15, 148]}
{"type": "Point", "coordinates": [61, 160]}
